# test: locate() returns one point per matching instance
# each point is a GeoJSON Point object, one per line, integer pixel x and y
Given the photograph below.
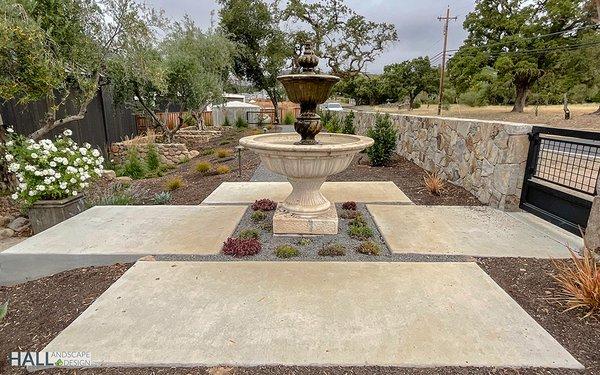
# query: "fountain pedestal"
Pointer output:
{"type": "Point", "coordinates": [285, 222]}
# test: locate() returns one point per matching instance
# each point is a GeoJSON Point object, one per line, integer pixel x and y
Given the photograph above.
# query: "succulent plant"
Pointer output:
{"type": "Point", "coordinates": [332, 250]}
{"type": "Point", "coordinates": [264, 205]}
{"type": "Point", "coordinates": [240, 247]}
{"type": "Point", "coordinates": [286, 251]}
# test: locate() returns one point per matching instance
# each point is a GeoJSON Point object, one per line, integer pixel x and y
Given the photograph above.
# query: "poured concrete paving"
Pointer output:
{"type": "Point", "coordinates": [309, 313]}
{"type": "Point", "coordinates": [364, 192]}
{"type": "Point", "coordinates": [142, 230]}
{"type": "Point", "coordinates": [476, 231]}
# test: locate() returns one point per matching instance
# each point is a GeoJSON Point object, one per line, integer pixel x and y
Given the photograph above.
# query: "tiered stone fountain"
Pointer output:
{"type": "Point", "coordinates": [309, 157]}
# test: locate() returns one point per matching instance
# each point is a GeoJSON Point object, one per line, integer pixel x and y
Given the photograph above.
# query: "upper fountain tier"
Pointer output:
{"type": "Point", "coordinates": [309, 89]}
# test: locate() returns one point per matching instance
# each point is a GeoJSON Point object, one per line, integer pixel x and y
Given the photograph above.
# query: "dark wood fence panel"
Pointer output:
{"type": "Point", "coordinates": [103, 123]}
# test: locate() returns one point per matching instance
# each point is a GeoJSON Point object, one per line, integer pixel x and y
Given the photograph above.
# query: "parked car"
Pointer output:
{"type": "Point", "coordinates": [333, 107]}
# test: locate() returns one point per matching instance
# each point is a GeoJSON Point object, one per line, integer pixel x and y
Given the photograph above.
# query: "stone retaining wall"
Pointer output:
{"type": "Point", "coordinates": [170, 153]}
{"type": "Point", "coordinates": [487, 158]}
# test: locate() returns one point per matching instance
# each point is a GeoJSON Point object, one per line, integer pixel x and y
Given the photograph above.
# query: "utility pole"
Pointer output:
{"type": "Point", "coordinates": [443, 66]}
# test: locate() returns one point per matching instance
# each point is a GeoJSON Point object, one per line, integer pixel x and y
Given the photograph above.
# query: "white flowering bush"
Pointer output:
{"type": "Point", "coordinates": [48, 170]}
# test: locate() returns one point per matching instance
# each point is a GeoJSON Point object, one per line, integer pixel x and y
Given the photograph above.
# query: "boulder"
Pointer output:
{"type": "Point", "coordinates": [19, 224]}
{"type": "Point", "coordinates": [6, 233]}
{"type": "Point", "coordinates": [5, 220]}
{"type": "Point", "coordinates": [592, 232]}
{"type": "Point", "coordinates": [125, 180]}
{"type": "Point", "coordinates": [109, 174]}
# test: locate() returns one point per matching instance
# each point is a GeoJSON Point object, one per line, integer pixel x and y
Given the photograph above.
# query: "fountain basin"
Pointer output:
{"type": "Point", "coordinates": [306, 210]}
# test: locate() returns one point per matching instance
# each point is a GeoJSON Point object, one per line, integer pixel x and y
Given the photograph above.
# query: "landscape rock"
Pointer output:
{"type": "Point", "coordinates": [109, 174]}
{"type": "Point", "coordinates": [194, 153]}
{"type": "Point", "coordinates": [6, 233]}
{"type": "Point", "coordinates": [5, 220]}
{"type": "Point", "coordinates": [592, 232]}
{"type": "Point", "coordinates": [19, 224]}
{"type": "Point", "coordinates": [125, 180]}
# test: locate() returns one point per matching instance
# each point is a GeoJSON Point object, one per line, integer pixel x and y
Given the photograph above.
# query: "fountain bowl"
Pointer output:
{"type": "Point", "coordinates": [306, 168]}
{"type": "Point", "coordinates": [308, 88]}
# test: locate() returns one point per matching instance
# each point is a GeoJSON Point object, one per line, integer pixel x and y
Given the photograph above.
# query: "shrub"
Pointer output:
{"type": "Point", "coordinates": [332, 250]}
{"type": "Point", "coordinates": [240, 247]}
{"type": "Point", "coordinates": [222, 169]}
{"type": "Point", "coordinates": [258, 216]}
{"type": "Point", "coordinates": [174, 183]}
{"type": "Point", "coordinates": [289, 118]}
{"type": "Point", "coordinates": [133, 166]}
{"type": "Point", "coordinates": [349, 124]}
{"type": "Point", "coordinates": [349, 214]}
{"type": "Point", "coordinates": [286, 251]}
{"type": "Point", "coordinates": [267, 226]}
{"type": "Point", "coordinates": [224, 153]}
{"type": "Point", "coordinates": [579, 280]}
{"type": "Point", "coordinates": [304, 241]}
{"type": "Point", "coordinates": [360, 232]}
{"type": "Point", "coordinates": [264, 205]}
{"type": "Point", "coordinates": [226, 121]}
{"type": "Point", "coordinates": [358, 228]}
{"type": "Point", "coordinates": [350, 205]}
{"type": "Point", "coordinates": [117, 198]}
{"type": "Point", "coordinates": [161, 198]}
{"type": "Point", "coordinates": [49, 169]}
{"type": "Point", "coordinates": [333, 125]}
{"type": "Point", "coordinates": [250, 233]}
{"type": "Point", "coordinates": [240, 123]}
{"type": "Point", "coordinates": [385, 136]}
{"type": "Point", "coordinates": [203, 167]}
{"type": "Point", "coordinates": [433, 183]}
{"type": "Point", "coordinates": [152, 158]}
{"type": "Point", "coordinates": [208, 151]}
{"type": "Point", "coordinates": [369, 248]}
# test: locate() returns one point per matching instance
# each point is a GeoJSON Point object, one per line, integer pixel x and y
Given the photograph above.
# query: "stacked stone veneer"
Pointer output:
{"type": "Point", "coordinates": [170, 153]}
{"type": "Point", "coordinates": [487, 158]}
{"type": "Point", "coordinates": [193, 136]}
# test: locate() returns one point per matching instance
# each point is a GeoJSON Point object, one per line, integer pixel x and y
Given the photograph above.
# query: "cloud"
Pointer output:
{"type": "Point", "coordinates": [419, 30]}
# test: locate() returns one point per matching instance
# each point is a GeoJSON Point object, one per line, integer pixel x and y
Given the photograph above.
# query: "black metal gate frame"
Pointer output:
{"type": "Point", "coordinates": [548, 148]}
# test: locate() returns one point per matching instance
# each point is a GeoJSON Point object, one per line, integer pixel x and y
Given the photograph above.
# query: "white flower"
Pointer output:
{"type": "Point", "coordinates": [83, 151]}
{"type": "Point", "coordinates": [10, 130]}
{"type": "Point", "coordinates": [34, 155]}
{"type": "Point", "coordinates": [95, 153]}
{"type": "Point", "coordinates": [36, 146]}
{"type": "Point", "coordinates": [73, 181]}
{"type": "Point", "coordinates": [13, 167]}
{"type": "Point", "coordinates": [38, 173]}
{"type": "Point", "coordinates": [40, 188]}
{"type": "Point", "coordinates": [9, 143]}
{"type": "Point", "coordinates": [30, 168]}
{"type": "Point", "coordinates": [15, 196]}
{"type": "Point", "coordinates": [68, 133]}
{"type": "Point", "coordinates": [32, 193]}
{"type": "Point", "coordinates": [63, 185]}
{"type": "Point", "coordinates": [47, 181]}
{"type": "Point", "coordinates": [87, 145]}
{"type": "Point", "coordinates": [57, 175]}
{"type": "Point", "coordinates": [74, 193]}
{"type": "Point", "coordinates": [53, 164]}
{"type": "Point", "coordinates": [65, 161]}
{"type": "Point", "coordinates": [9, 157]}
{"type": "Point", "coordinates": [51, 172]}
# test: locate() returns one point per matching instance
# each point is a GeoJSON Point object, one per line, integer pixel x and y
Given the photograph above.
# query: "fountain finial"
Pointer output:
{"type": "Point", "coordinates": [308, 60]}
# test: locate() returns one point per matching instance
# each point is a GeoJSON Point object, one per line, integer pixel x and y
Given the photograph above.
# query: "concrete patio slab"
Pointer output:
{"type": "Point", "coordinates": [475, 231]}
{"type": "Point", "coordinates": [309, 313]}
{"type": "Point", "coordinates": [358, 191]}
{"type": "Point", "coordinates": [142, 230]}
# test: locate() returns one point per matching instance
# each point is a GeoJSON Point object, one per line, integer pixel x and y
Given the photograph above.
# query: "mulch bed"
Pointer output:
{"type": "Point", "coordinates": [40, 309]}
{"type": "Point", "coordinates": [197, 186]}
{"type": "Point", "coordinates": [409, 178]}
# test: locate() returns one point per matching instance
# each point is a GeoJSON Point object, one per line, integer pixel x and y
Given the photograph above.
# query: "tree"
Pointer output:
{"type": "Point", "coordinates": [518, 39]}
{"type": "Point", "coordinates": [409, 79]}
{"type": "Point", "coordinates": [347, 41]}
{"type": "Point", "coordinates": [197, 65]}
{"type": "Point", "coordinates": [56, 50]}
{"type": "Point", "coordinates": [262, 47]}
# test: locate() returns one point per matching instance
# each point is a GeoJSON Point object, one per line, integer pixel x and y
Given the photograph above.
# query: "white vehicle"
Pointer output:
{"type": "Point", "coordinates": [333, 107]}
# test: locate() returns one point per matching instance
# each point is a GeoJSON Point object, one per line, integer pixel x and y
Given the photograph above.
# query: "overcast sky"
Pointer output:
{"type": "Point", "coordinates": [419, 31]}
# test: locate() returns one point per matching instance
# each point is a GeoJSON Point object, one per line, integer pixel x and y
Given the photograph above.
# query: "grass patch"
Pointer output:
{"type": "Point", "coordinates": [286, 251]}
{"type": "Point", "coordinates": [174, 183]}
{"type": "Point", "coordinates": [223, 169]}
{"type": "Point", "coordinates": [332, 250]}
{"type": "Point", "coordinates": [369, 248]}
{"type": "Point", "coordinates": [203, 167]}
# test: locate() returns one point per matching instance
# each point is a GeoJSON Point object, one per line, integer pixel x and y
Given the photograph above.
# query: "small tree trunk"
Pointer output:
{"type": "Point", "coordinates": [411, 103]}
{"type": "Point", "coordinates": [566, 108]}
{"type": "Point", "coordinates": [521, 99]}
{"type": "Point", "coordinates": [276, 107]}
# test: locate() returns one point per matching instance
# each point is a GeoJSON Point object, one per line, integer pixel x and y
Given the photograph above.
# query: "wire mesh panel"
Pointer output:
{"type": "Point", "coordinates": [571, 164]}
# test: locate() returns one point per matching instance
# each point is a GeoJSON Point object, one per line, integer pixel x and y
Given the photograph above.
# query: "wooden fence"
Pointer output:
{"type": "Point", "coordinates": [103, 123]}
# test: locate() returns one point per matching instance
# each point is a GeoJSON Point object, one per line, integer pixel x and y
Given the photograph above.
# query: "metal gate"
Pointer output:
{"type": "Point", "coordinates": [561, 176]}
